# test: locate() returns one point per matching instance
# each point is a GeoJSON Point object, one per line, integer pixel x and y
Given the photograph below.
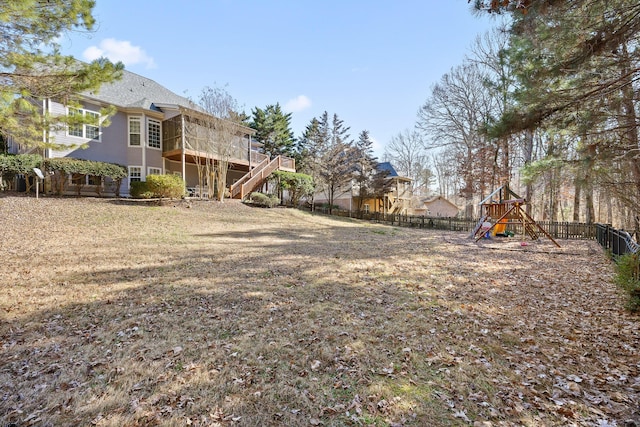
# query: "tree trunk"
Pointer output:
{"type": "Point", "coordinates": [577, 197]}
{"type": "Point", "coordinates": [630, 125]}
{"type": "Point", "coordinates": [588, 183]}
{"type": "Point", "coordinates": [528, 157]}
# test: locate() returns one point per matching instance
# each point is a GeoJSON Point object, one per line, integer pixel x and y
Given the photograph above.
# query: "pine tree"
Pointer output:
{"type": "Point", "coordinates": [329, 155]}
{"type": "Point", "coordinates": [273, 130]}
{"type": "Point", "coordinates": [365, 168]}
{"type": "Point", "coordinates": [577, 75]}
{"type": "Point", "coordinates": [33, 69]}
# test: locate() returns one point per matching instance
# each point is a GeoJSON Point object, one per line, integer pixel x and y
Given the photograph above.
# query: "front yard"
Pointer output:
{"type": "Point", "coordinates": [116, 313]}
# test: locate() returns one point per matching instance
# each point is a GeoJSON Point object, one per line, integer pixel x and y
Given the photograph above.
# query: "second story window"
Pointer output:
{"type": "Point", "coordinates": [75, 130]}
{"type": "Point", "coordinates": [134, 131]}
{"type": "Point", "coordinates": [153, 132]}
{"type": "Point", "coordinates": [90, 129]}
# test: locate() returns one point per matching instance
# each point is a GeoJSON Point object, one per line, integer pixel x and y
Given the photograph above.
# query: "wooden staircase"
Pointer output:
{"type": "Point", "coordinates": [256, 177]}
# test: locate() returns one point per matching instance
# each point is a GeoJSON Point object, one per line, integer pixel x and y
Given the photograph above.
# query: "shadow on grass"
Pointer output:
{"type": "Point", "coordinates": [334, 325]}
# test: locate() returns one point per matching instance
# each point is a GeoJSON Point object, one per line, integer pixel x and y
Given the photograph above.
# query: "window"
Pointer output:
{"type": "Point", "coordinates": [78, 179]}
{"type": "Point", "coordinates": [154, 171]}
{"type": "Point", "coordinates": [92, 131]}
{"type": "Point", "coordinates": [366, 207]}
{"type": "Point", "coordinates": [153, 132]}
{"type": "Point", "coordinates": [75, 130]}
{"type": "Point", "coordinates": [134, 131]}
{"type": "Point", "coordinates": [89, 130]}
{"type": "Point", "coordinates": [135, 173]}
{"type": "Point", "coordinates": [94, 180]}
{"type": "Point", "coordinates": [82, 179]}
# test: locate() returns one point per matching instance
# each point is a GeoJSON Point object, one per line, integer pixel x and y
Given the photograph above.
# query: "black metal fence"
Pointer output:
{"type": "Point", "coordinates": [619, 242]}
{"type": "Point", "coordinates": [557, 230]}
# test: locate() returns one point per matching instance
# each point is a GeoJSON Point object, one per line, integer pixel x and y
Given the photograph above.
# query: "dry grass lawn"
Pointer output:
{"type": "Point", "coordinates": [115, 313]}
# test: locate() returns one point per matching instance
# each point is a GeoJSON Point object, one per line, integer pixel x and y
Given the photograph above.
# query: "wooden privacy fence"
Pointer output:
{"type": "Point", "coordinates": [558, 230]}
{"type": "Point", "coordinates": [619, 242]}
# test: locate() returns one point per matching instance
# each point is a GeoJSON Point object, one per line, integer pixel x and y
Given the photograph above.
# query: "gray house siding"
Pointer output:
{"type": "Point", "coordinates": [137, 96]}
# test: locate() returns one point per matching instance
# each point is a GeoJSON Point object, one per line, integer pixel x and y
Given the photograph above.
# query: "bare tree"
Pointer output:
{"type": "Point", "coordinates": [225, 130]}
{"type": "Point", "coordinates": [455, 116]}
{"type": "Point", "coordinates": [407, 153]}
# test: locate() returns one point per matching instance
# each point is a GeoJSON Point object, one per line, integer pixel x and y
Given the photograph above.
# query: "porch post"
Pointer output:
{"type": "Point", "coordinates": [184, 167]}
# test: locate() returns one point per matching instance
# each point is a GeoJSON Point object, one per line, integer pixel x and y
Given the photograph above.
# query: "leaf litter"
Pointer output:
{"type": "Point", "coordinates": [203, 313]}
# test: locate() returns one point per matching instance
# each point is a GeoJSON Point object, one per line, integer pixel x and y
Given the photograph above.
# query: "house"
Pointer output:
{"type": "Point", "coordinates": [438, 206]}
{"type": "Point", "coordinates": [395, 199]}
{"type": "Point", "coordinates": [155, 131]}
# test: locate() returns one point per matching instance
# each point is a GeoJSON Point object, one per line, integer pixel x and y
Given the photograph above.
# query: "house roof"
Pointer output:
{"type": "Point", "coordinates": [386, 166]}
{"type": "Point", "coordinates": [135, 91]}
{"type": "Point", "coordinates": [435, 199]}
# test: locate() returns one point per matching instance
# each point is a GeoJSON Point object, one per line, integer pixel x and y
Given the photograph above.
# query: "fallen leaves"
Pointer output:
{"type": "Point", "coordinates": [224, 315]}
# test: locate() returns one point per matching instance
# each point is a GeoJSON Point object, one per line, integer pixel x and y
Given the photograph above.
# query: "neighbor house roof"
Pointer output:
{"type": "Point", "coordinates": [386, 166]}
{"type": "Point", "coordinates": [436, 198]}
{"type": "Point", "coordinates": [135, 91]}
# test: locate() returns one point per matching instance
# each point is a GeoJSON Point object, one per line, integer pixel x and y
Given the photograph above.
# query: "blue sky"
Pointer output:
{"type": "Point", "coordinates": [371, 62]}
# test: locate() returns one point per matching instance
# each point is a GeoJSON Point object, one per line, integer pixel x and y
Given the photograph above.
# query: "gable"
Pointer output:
{"type": "Point", "coordinates": [135, 91]}
{"type": "Point", "coordinates": [441, 206]}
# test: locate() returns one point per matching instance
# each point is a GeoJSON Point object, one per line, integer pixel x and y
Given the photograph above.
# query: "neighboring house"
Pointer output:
{"type": "Point", "coordinates": [397, 198]}
{"type": "Point", "coordinates": [438, 206]}
{"type": "Point", "coordinates": [156, 131]}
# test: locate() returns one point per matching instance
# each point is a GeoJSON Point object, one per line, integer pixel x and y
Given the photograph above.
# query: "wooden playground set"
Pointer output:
{"type": "Point", "coordinates": [504, 207]}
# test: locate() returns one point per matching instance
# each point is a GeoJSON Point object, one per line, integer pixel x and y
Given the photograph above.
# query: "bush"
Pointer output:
{"type": "Point", "coordinates": [165, 186]}
{"type": "Point", "coordinates": [628, 278]}
{"type": "Point", "coordinates": [62, 167]}
{"type": "Point", "coordinates": [299, 185]}
{"type": "Point", "coordinates": [264, 200]}
{"type": "Point", "coordinates": [140, 190]}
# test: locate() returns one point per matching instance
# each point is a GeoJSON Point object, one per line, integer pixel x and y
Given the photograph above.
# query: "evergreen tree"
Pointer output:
{"type": "Point", "coordinates": [578, 64]}
{"type": "Point", "coordinates": [273, 130]}
{"type": "Point", "coordinates": [365, 168]}
{"type": "Point", "coordinates": [330, 156]}
{"type": "Point", "coordinates": [307, 148]}
{"type": "Point", "coordinates": [32, 69]}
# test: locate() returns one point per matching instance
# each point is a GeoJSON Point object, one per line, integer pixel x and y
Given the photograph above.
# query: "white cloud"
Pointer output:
{"type": "Point", "coordinates": [119, 50]}
{"type": "Point", "coordinates": [378, 148]}
{"type": "Point", "coordinates": [297, 104]}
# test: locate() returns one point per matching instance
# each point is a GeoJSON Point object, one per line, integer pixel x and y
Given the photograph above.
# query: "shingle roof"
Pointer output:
{"type": "Point", "coordinates": [135, 91]}
{"type": "Point", "coordinates": [386, 166]}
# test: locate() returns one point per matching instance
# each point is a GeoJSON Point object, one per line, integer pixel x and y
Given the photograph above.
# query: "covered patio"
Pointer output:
{"type": "Point", "coordinates": [195, 143]}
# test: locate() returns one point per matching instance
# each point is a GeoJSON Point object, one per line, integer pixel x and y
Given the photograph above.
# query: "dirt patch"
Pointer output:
{"type": "Point", "coordinates": [205, 313]}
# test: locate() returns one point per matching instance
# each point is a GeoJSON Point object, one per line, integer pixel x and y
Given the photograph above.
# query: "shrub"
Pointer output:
{"type": "Point", "coordinates": [165, 186]}
{"type": "Point", "coordinates": [299, 185]}
{"type": "Point", "coordinates": [628, 278]}
{"type": "Point", "coordinates": [64, 166]}
{"type": "Point", "coordinates": [264, 200]}
{"type": "Point", "coordinates": [14, 164]}
{"type": "Point", "coordinates": [140, 190]}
